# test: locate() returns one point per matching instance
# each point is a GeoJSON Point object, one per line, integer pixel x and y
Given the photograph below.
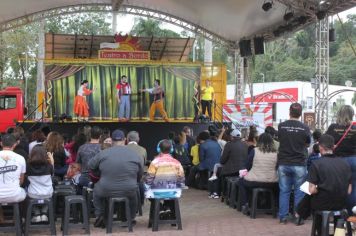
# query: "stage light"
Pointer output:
{"type": "Point", "coordinates": [267, 5]}
{"type": "Point", "coordinates": [320, 15]}
{"type": "Point", "coordinates": [332, 35]}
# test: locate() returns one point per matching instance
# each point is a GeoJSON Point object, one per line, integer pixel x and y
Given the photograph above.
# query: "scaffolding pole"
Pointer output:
{"type": "Point", "coordinates": [239, 78]}
{"type": "Point", "coordinates": [322, 73]}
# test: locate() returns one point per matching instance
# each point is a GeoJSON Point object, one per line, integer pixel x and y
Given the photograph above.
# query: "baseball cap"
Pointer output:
{"type": "Point", "coordinates": [118, 135]}
{"type": "Point", "coordinates": [235, 133]}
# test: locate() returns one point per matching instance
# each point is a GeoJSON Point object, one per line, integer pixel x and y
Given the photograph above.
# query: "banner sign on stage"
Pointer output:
{"type": "Point", "coordinates": [124, 55]}
{"type": "Point", "coordinates": [245, 115]}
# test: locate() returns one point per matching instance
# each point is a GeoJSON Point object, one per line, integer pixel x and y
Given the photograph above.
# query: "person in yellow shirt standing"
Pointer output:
{"type": "Point", "coordinates": [207, 97]}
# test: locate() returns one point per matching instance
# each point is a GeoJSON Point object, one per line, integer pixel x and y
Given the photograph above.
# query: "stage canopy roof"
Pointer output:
{"type": "Point", "coordinates": [223, 21]}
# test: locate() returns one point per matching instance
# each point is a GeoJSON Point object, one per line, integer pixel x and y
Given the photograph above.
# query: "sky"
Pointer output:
{"type": "Point", "coordinates": [126, 22]}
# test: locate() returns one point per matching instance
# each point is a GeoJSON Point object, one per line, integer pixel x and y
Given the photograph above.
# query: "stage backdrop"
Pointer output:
{"type": "Point", "coordinates": [177, 81]}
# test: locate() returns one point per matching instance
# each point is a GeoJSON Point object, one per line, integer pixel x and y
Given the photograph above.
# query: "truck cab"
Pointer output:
{"type": "Point", "coordinates": [11, 107]}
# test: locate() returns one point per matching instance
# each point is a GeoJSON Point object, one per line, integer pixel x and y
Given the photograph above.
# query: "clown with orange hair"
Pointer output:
{"type": "Point", "coordinates": [81, 107]}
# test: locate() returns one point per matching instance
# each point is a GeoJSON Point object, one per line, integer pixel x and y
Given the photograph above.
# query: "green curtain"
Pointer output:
{"type": "Point", "coordinates": [179, 90]}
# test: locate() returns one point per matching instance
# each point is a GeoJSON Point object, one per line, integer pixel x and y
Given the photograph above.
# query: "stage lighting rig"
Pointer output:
{"type": "Point", "coordinates": [320, 15]}
{"type": "Point", "coordinates": [267, 5]}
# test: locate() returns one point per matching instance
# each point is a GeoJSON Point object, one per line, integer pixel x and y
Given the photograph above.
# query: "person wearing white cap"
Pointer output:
{"type": "Point", "coordinates": [233, 159]}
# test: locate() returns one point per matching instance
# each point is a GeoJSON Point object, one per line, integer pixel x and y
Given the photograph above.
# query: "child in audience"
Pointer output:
{"type": "Point", "coordinates": [39, 174]}
{"type": "Point", "coordinates": [74, 173]}
{"type": "Point", "coordinates": [315, 155]}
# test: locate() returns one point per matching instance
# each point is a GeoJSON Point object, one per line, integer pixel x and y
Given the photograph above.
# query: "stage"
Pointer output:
{"type": "Point", "coordinates": [150, 132]}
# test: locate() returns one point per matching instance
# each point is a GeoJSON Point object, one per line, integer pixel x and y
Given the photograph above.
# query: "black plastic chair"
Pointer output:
{"type": "Point", "coordinates": [110, 219]}
{"type": "Point", "coordinates": [51, 223]}
{"type": "Point", "coordinates": [74, 201]}
{"type": "Point", "coordinates": [16, 227]}
{"type": "Point", "coordinates": [154, 219]}
{"type": "Point", "coordinates": [325, 217]}
{"type": "Point", "coordinates": [254, 208]}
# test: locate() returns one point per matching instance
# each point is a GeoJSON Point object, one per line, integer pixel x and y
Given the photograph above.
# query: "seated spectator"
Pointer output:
{"type": "Point", "coordinates": [74, 173]}
{"type": "Point", "coordinates": [133, 138]}
{"type": "Point", "coordinates": [329, 183]}
{"type": "Point", "coordinates": [165, 176]}
{"type": "Point", "coordinates": [54, 144]}
{"type": "Point", "coordinates": [19, 134]}
{"type": "Point", "coordinates": [315, 155]}
{"type": "Point", "coordinates": [86, 152]}
{"type": "Point", "coordinates": [37, 137]}
{"type": "Point", "coordinates": [209, 155]}
{"type": "Point", "coordinates": [12, 171]}
{"type": "Point", "coordinates": [120, 170]}
{"type": "Point", "coordinates": [263, 172]}
{"type": "Point", "coordinates": [233, 160]}
{"type": "Point", "coordinates": [316, 136]}
{"type": "Point", "coordinates": [72, 147]}
{"type": "Point", "coordinates": [190, 142]}
{"type": "Point", "coordinates": [105, 141]}
{"type": "Point", "coordinates": [180, 152]}
{"type": "Point", "coordinates": [251, 143]}
{"type": "Point", "coordinates": [194, 152]}
{"type": "Point", "coordinates": [39, 174]}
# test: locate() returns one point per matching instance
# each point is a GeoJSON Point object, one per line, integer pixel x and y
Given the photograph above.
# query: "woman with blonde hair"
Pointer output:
{"type": "Point", "coordinates": [344, 134]}
{"type": "Point", "coordinates": [55, 145]}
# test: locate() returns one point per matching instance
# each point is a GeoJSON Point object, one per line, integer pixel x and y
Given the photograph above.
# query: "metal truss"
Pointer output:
{"type": "Point", "coordinates": [239, 71]}
{"type": "Point", "coordinates": [124, 9]}
{"type": "Point", "coordinates": [322, 73]}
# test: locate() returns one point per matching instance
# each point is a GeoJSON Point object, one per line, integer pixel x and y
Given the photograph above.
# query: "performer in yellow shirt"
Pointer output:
{"type": "Point", "coordinates": [207, 97]}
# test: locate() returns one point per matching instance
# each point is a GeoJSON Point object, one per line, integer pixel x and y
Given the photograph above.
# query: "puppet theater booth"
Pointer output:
{"type": "Point", "coordinates": [69, 59]}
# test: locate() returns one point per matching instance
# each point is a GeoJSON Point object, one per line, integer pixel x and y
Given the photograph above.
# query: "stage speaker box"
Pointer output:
{"type": "Point", "coordinates": [259, 43]}
{"type": "Point", "coordinates": [245, 48]}
{"type": "Point", "coordinates": [245, 62]}
{"type": "Point", "coordinates": [332, 35]}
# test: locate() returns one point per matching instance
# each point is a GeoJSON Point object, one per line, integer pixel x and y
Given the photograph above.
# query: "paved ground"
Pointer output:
{"type": "Point", "coordinates": [205, 217]}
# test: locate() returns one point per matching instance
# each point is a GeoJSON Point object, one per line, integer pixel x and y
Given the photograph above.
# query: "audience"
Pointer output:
{"type": "Point", "coordinates": [39, 174]}
{"type": "Point", "coordinates": [12, 172]}
{"type": "Point", "coordinates": [344, 134]}
{"type": "Point", "coordinates": [72, 147]}
{"type": "Point", "coordinates": [86, 152]}
{"type": "Point", "coordinates": [194, 152]}
{"type": "Point", "coordinates": [166, 175]}
{"type": "Point", "coordinates": [263, 172]}
{"type": "Point", "coordinates": [180, 152]}
{"type": "Point", "coordinates": [294, 137]}
{"type": "Point", "coordinates": [233, 159]}
{"type": "Point", "coordinates": [105, 141]}
{"type": "Point", "coordinates": [54, 144]}
{"type": "Point", "coordinates": [190, 142]}
{"type": "Point", "coordinates": [329, 182]}
{"type": "Point", "coordinates": [120, 170]}
{"type": "Point", "coordinates": [133, 138]}
{"type": "Point", "coordinates": [37, 137]}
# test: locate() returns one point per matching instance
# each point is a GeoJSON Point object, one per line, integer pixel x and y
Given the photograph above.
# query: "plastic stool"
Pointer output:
{"type": "Point", "coordinates": [40, 202]}
{"type": "Point", "coordinates": [154, 219]}
{"type": "Point", "coordinates": [139, 205]}
{"type": "Point", "coordinates": [60, 192]}
{"type": "Point", "coordinates": [325, 216]}
{"type": "Point", "coordinates": [17, 219]}
{"type": "Point", "coordinates": [255, 193]}
{"type": "Point", "coordinates": [233, 196]}
{"type": "Point", "coordinates": [75, 200]}
{"type": "Point", "coordinates": [110, 219]}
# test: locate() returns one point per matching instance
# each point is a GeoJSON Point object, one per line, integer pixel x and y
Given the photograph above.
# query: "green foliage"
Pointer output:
{"type": "Point", "coordinates": [149, 27]}
{"type": "Point", "coordinates": [84, 23]}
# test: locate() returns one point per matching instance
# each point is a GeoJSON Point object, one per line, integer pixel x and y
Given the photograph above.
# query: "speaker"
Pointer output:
{"type": "Point", "coordinates": [245, 62]}
{"type": "Point", "coordinates": [332, 35]}
{"type": "Point", "coordinates": [259, 43]}
{"type": "Point", "coordinates": [245, 48]}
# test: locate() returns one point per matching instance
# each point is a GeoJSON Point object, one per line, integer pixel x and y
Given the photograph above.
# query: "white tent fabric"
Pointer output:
{"type": "Point", "coordinates": [230, 19]}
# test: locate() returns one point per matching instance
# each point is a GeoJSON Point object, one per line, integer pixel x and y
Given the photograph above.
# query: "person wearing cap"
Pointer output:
{"type": "Point", "coordinates": [123, 98]}
{"type": "Point", "coordinates": [233, 159]}
{"type": "Point", "coordinates": [329, 181]}
{"type": "Point", "coordinates": [120, 170]}
{"type": "Point", "coordinates": [81, 107]}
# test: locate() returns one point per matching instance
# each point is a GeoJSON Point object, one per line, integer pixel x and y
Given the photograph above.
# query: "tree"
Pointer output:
{"type": "Point", "coordinates": [149, 27]}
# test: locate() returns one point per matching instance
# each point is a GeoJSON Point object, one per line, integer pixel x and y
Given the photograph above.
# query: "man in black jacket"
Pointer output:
{"type": "Point", "coordinates": [233, 159]}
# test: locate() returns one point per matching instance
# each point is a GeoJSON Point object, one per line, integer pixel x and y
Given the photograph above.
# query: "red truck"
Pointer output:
{"type": "Point", "coordinates": [11, 107]}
